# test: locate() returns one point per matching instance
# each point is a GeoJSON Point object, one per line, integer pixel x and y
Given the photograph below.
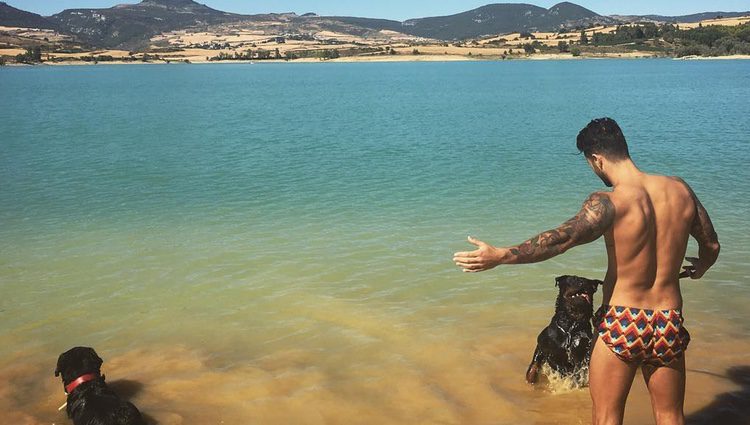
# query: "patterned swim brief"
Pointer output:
{"type": "Point", "coordinates": [653, 337]}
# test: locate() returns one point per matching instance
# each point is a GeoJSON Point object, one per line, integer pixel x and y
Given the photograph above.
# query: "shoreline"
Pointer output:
{"type": "Point", "coordinates": [392, 59]}
{"type": "Point", "coordinates": [255, 42]}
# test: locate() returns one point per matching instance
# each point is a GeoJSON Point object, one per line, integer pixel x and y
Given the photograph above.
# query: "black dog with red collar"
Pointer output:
{"type": "Point", "coordinates": [90, 401]}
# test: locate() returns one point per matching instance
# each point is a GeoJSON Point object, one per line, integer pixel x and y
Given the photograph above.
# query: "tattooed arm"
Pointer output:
{"type": "Point", "coordinates": [708, 241]}
{"type": "Point", "coordinates": [595, 217]}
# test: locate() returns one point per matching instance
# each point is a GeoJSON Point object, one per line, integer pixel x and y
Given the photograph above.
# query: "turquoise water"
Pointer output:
{"type": "Point", "coordinates": [299, 220]}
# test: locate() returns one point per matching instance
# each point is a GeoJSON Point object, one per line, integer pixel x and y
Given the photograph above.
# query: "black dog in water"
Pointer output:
{"type": "Point", "coordinates": [565, 345]}
{"type": "Point", "coordinates": [90, 402]}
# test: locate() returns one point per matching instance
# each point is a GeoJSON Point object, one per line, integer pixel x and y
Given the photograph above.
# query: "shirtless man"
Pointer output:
{"type": "Point", "coordinates": [646, 221]}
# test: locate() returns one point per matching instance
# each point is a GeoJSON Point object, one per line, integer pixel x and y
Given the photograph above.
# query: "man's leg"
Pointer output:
{"type": "Point", "coordinates": [666, 385]}
{"type": "Point", "coordinates": [609, 383]}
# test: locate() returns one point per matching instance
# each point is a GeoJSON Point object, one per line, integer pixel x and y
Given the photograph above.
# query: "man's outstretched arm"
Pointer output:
{"type": "Point", "coordinates": [596, 216]}
{"type": "Point", "coordinates": [708, 241]}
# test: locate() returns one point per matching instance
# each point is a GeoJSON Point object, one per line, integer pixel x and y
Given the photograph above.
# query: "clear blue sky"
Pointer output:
{"type": "Point", "coordinates": [405, 9]}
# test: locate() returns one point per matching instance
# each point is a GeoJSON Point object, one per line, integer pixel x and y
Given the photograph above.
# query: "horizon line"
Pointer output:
{"type": "Point", "coordinates": [354, 15]}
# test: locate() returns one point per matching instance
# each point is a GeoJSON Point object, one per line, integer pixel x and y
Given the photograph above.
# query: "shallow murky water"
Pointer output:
{"type": "Point", "coordinates": [272, 244]}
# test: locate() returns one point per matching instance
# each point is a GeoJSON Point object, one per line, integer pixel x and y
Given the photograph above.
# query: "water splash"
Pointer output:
{"type": "Point", "coordinates": [558, 383]}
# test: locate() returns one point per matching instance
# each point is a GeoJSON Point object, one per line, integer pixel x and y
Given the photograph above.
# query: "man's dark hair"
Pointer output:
{"type": "Point", "coordinates": [603, 137]}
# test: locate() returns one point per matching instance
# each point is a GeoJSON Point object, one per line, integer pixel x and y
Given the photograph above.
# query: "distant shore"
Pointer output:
{"type": "Point", "coordinates": [707, 40]}
{"type": "Point", "coordinates": [390, 59]}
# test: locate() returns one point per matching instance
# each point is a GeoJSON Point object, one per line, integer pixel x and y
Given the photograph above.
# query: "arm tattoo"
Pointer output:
{"type": "Point", "coordinates": [702, 228]}
{"type": "Point", "coordinates": [594, 218]}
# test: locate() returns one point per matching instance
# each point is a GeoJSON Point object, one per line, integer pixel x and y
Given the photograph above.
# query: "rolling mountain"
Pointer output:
{"type": "Point", "coordinates": [503, 18]}
{"type": "Point", "coordinates": [368, 23]}
{"type": "Point", "coordinates": [132, 25]}
{"type": "Point", "coordinates": [12, 17]}
{"type": "Point", "coordinates": [697, 17]}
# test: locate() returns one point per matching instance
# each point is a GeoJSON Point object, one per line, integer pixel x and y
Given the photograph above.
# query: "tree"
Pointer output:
{"type": "Point", "coordinates": [575, 51]}
{"type": "Point", "coordinates": [529, 48]}
{"type": "Point", "coordinates": [415, 52]}
{"type": "Point", "coordinates": [650, 30]}
{"type": "Point", "coordinates": [36, 54]}
{"type": "Point", "coordinates": [562, 46]}
{"type": "Point", "coordinates": [584, 38]}
{"type": "Point", "coordinates": [32, 55]}
{"type": "Point", "coordinates": [328, 54]}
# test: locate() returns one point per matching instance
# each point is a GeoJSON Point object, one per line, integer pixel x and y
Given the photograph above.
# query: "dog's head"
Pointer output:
{"type": "Point", "coordinates": [76, 362]}
{"type": "Point", "coordinates": [576, 295]}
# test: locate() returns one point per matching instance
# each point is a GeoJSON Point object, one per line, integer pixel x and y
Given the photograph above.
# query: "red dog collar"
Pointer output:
{"type": "Point", "coordinates": [80, 380]}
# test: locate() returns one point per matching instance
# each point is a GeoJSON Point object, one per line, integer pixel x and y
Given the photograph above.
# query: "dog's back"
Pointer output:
{"type": "Point", "coordinates": [98, 405]}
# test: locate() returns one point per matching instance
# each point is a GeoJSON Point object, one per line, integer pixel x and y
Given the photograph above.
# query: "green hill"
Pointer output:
{"type": "Point", "coordinates": [12, 17]}
{"type": "Point", "coordinates": [503, 18]}
{"type": "Point", "coordinates": [132, 25]}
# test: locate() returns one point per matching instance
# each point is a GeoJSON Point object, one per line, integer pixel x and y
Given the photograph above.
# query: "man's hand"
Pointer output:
{"type": "Point", "coordinates": [695, 270]}
{"type": "Point", "coordinates": [484, 258]}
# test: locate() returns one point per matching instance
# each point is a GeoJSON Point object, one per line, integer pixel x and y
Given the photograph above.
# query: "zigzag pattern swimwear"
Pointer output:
{"type": "Point", "coordinates": [654, 337]}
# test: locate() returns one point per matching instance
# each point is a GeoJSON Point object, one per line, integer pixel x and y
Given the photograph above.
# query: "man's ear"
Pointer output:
{"type": "Point", "coordinates": [598, 160]}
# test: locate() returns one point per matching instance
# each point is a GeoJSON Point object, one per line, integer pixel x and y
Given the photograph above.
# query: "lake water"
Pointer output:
{"type": "Point", "coordinates": [272, 243]}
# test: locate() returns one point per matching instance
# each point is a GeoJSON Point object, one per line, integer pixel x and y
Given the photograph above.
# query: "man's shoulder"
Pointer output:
{"type": "Point", "coordinates": [679, 182]}
{"type": "Point", "coordinates": [601, 206]}
{"type": "Point", "coordinates": [669, 179]}
{"type": "Point", "coordinates": [673, 184]}
{"type": "Point", "coordinates": [600, 196]}
{"type": "Point", "coordinates": [677, 179]}
{"type": "Point", "coordinates": [603, 198]}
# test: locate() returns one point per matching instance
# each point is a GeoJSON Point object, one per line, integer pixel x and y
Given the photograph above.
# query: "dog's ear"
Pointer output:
{"type": "Point", "coordinates": [597, 283]}
{"type": "Point", "coordinates": [92, 360]}
{"type": "Point", "coordinates": [60, 364]}
{"type": "Point", "coordinates": [561, 281]}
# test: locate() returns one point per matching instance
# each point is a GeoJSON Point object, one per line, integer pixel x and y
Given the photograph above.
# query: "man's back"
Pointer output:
{"type": "Point", "coordinates": [646, 221]}
{"type": "Point", "coordinates": [647, 242]}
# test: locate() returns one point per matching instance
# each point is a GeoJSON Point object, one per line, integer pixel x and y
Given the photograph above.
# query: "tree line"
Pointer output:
{"type": "Point", "coordinates": [711, 40]}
